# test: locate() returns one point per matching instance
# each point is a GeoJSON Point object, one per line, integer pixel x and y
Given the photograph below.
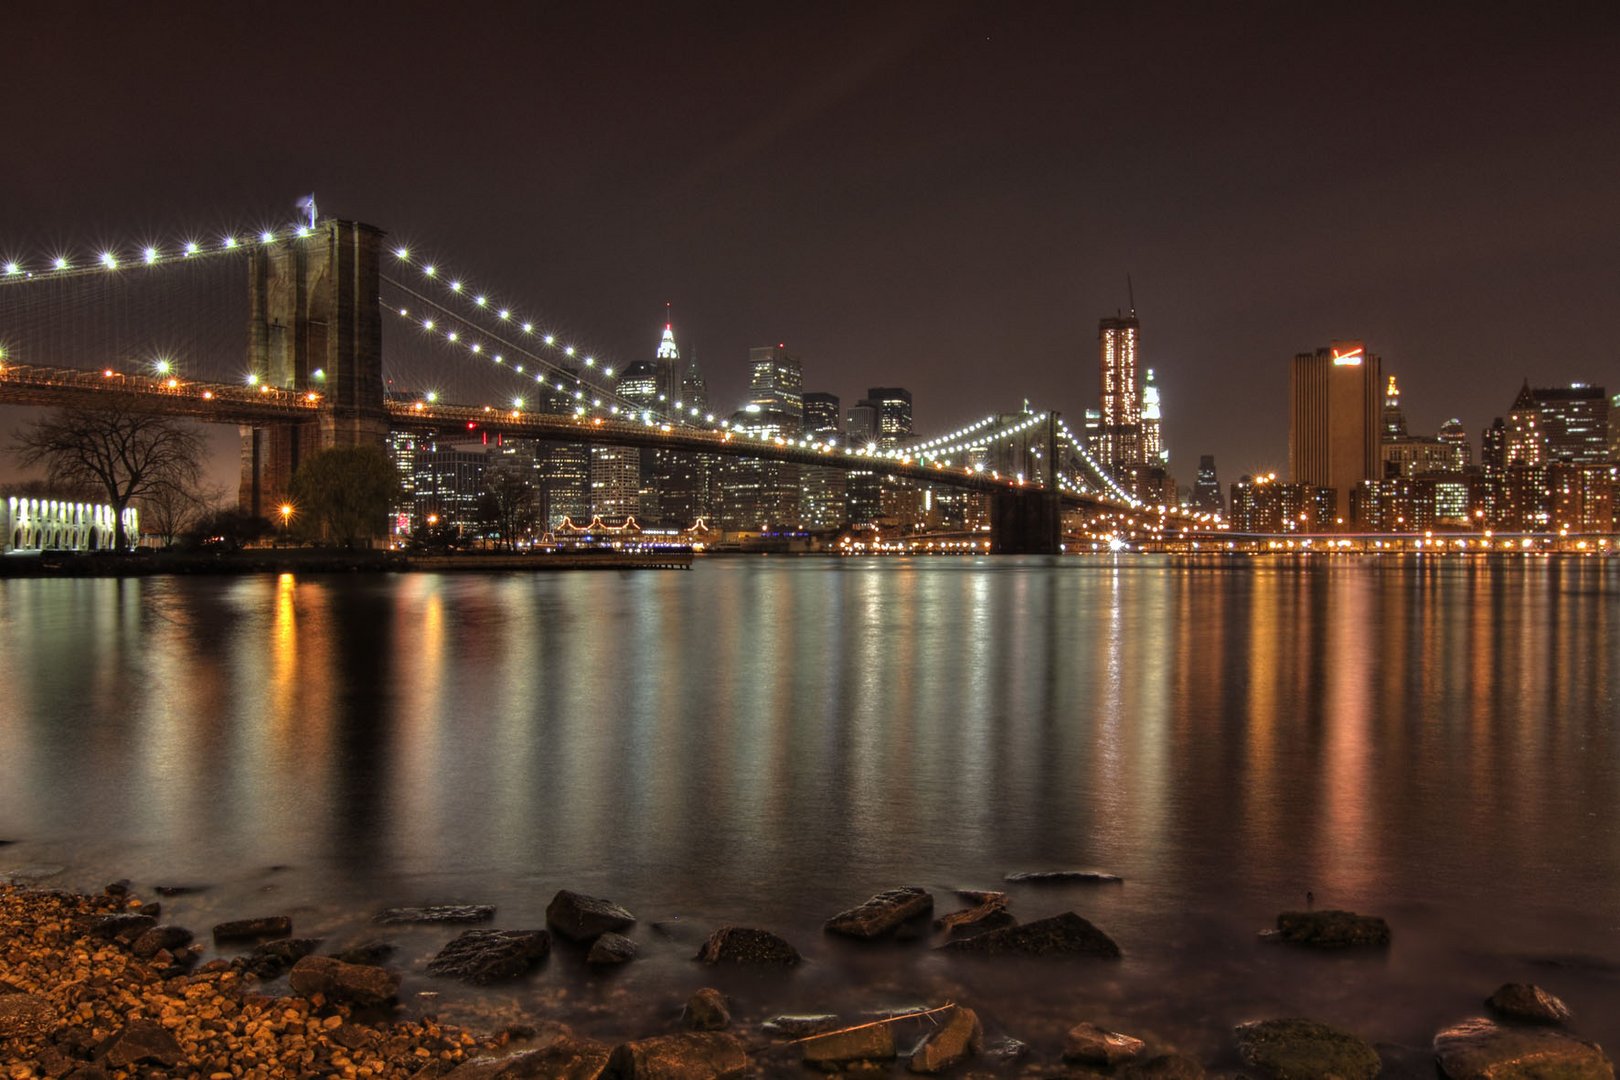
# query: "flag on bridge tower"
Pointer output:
{"type": "Point", "coordinates": [307, 204]}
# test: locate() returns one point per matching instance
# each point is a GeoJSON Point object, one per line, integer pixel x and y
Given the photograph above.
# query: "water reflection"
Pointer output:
{"type": "Point", "coordinates": [771, 740]}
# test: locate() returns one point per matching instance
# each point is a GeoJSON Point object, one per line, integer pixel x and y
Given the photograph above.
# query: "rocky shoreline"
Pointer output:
{"type": "Point", "coordinates": [98, 986]}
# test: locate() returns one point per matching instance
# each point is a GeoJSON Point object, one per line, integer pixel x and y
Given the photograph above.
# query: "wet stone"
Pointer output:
{"type": "Point", "coordinates": [563, 1058]}
{"type": "Point", "coordinates": [1480, 1049]}
{"type": "Point", "coordinates": [745, 945]}
{"type": "Point", "coordinates": [1063, 877]}
{"type": "Point", "coordinates": [1528, 1003]}
{"type": "Point", "coordinates": [611, 949]}
{"type": "Point", "coordinates": [1297, 1049]}
{"type": "Point", "coordinates": [435, 913]}
{"type": "Point", "coordinates": [1065, 935]}
{"type": "Point", "coordinates": [114, 926]}
{"type": "Point", "coordinates": [689, 1055]}
{"type": "Point", "coordinates": [578, 917]}
{"type": "Point", "coordinates": [1094, 1045]}
{"type": "Point", "coordinates": [1331, 929]}
{"type": "Point", "coordinates": [486, 956]}
{"type": "Point", "coordinates": [274, 957]}
{"type": "Point", "coordinates": [160, 937]}
{"type": "Point", "coordinates": [179, 890]}
{"type": "Point", "coordinates": [989, 915]}
{"type": "Point", "coordinates": [260, 929]}
{"type": "Point", "coordinates": [872, 1042]}
{"type": "Point", "coordinates": [953, 1042]}
{"type": "Point", "coordinates": [367, 952]}
{"type": "Point", "coordinates": [798, 1026]}
{"type": "Point", "coordinates": [338, 981]}
{"type": "Point", "coordinates": [23, 1016]}
{"type": "Point", "coordinates": [882, 914]}
{"type": "Point", "coordinates": [706, 1010]}
{"type": "Point", "coordinates": [141, 1042]}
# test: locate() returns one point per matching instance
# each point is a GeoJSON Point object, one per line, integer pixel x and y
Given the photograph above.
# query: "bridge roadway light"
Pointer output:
{"type": "Point", "coordinates": [402, 254]}
{"type": "Point", "coordinates": [109, 260]}
{"type": "Point", "coordinates": [60, 263]}
{"type": "Point", "coordinates": [267, 237]}
{"type": "Point", "coordinates": [12, 268]}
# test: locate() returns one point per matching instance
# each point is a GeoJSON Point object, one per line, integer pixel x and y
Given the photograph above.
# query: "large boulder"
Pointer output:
{"type": "Point", "coordinates": [960, 1036]}
{"type": "Point", "coordinates": [1063, 877]}
{"type": "Point", "coordinates": [23, 1016]}
{"type": "Point", "coordinates": [358, 984]}
{"type": "Point", "coordinates": [121, 926]}
{"type": "Point", "coordinates": [578, 917]}
{"type": "Point", "coordinates": [1331, 929]}
{"type": "Point", "coordinates": [1528, 1003]}
{"type": "Point", "coordinates": [883, 913]}
{"type": "Point", "coordinates": [1481, 1049]}
{"type": "Point", "coordinates": [745, 945]}
{"type": "Point", "coordinates": [486, 956]}
{"type": "Point", "coordinates": [1295, 1049]}
{"type": "Point", "coordinates": [140, 1042]}
{"type": "Point", "coordinates": [1061, 935]}
{"type": "Point", "coordinates": [435, 913]}
{"type": "Point", "coordinates": [274, 957]}
{"type": "Point", "coordinates": [837, 1049]}
{"type": "Point", "coordinates": [689, 1055]}
{"type": "Point", "coordinates": [1092, 1045]}
{"type": "Point", "coordinates": [261, 929]}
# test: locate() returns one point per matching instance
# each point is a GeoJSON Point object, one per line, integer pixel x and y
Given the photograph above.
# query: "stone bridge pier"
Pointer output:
{"type": "Point", "coordinates": [314, 325]}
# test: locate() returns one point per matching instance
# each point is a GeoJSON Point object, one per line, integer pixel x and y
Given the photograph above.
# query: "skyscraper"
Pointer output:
{"type": "Point", "coordinates": [776, 385]}
{"type": "Point", "coordinates": [892, 405]}
{"type": "Point", "coordinates": [1455, 436]}
{"type": "Point", "coordinates": [1525, 444]}
{"type": "Point", "coordinates": [1121, 393]}
{"type": "Point", "coordinates": [1394, 418]}
{"type": "Point", "coordinates": [822, 503]}
{"type": "Point", "coordinates": [1574, 423]}
{"type": "Point", "coordinates": [1335, 426]}
{"type": "Point", "coordinates": [1153, 451]}
{"type": "Point", "coordinates": [667, 361]}
{"type": "Point", "coordinates": [1207, 489]}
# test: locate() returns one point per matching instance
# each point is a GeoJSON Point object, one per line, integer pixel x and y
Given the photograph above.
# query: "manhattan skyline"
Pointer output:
{"type": "Point", "coordinates": [946, 198]}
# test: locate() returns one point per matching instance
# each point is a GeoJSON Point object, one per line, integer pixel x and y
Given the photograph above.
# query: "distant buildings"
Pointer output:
{"type": "Point", "coordinates": [1120, 394]}
{"type": "Point", "coordinates": [1206, 493]}
{"type": "Point", "coordinates": [1335, 425]}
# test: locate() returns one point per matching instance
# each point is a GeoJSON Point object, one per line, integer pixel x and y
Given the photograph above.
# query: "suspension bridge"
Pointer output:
{"type": "Point", "coordinates": [318, 370]}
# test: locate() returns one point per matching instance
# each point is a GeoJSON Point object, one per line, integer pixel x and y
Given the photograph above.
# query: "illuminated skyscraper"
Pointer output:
{"type": "Point", "coordinates": [1206, 495]}
{"type": "Point", "coordinates": [776, 385]}
{"type": "Point", "coordinates": [1335, 426]}
{"type": "Point", "coordinates": [1153, 451]}
{"type": "Point", "coordinates": [1455, 436]}
{"type": "Point", "coordinates": [822, 501]}
{"type": "Point", "coordinates": [668, 365]}
{"type": "Point", "coordinates": [1121, 396]}
{"type": "Point", "coordinates": [892, 406]}
{"type": "Point", "coordinates": [1525, 444]}
{"type": "Point", "coordinates": [1394, 418]}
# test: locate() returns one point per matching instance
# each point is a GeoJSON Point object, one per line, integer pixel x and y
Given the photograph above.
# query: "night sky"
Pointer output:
{"type": "Point", "coordinates": [939, 196]}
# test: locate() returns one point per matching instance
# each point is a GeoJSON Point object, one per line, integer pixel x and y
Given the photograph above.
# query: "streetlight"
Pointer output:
{"type": "Point", "coordinates": [286, 519]}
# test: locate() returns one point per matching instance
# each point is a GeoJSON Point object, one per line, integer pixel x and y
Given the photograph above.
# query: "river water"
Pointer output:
{"type": "Point", "coordinates": [770, 740]}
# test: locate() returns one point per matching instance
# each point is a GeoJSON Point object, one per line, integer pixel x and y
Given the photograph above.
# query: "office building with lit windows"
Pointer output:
{"type": "Point", "coordinates": [1335, 425]}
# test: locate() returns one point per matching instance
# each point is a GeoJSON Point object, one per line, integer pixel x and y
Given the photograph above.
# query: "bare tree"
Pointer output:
{"type": "Point", "coordinates": [509, 502]}
{"type": "Point", "coordinates": [170, 511]}
{"type": "Point", "coordinates": [124, 453]}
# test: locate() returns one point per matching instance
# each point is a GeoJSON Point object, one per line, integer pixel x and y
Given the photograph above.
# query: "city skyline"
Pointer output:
{"type": "Point", "coordinates": [1448, 244]}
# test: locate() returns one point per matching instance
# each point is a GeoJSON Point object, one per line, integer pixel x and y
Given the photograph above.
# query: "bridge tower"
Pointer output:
{"type": "Point", "coordinates": [1026, 521]}
{"type": "Point", "coordinates": [314, 325]}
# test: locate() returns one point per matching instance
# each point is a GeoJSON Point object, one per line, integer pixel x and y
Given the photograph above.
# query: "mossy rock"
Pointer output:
{"type": "Point", "coordinates": [1295, 1049]}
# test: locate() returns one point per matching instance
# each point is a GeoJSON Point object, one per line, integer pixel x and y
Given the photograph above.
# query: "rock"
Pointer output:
{"type": "Point", "coordinates": [367, 952]}
{"type": "Point", "coordinates": [949, 1044]}
{"type": "Point", "coordinates": [1061, 935]}
{"type": "Point", "coordinates": [117, 888]}
{"type": "Point", "coordinates": [271, 926]}
{"type": "Point", "coordinates": [578, 917]}
{"type": "Point", "coordinates": [1331, 929]}
{"type": "Point", "coordinates": [1093, 1045]}
{"type": "Point", "coordinates": [160, 937]}
{"type": "Point", "coordinates": [485, 956]}
{"type": "Point", "coordinates": [274, 957]}
{"type": "Point", "coordinates": [437, 913]}
{"type": "Point", "coordinates": [142, 1041]}
{"type": "Point", "coordinates": [870, 1042]}
{"type": "Point", "coordinates": [882, 914]}
{"type": "Point", "coordinates": [23, 1016]}
{"type": "Point", "coordinates": [979, 896]}
{"type": "Point", "coordinates": [179, 890]}
{"type": "Point", "coordinates": [796, 1027]}
{"type": "Point", "coordinates": [1294, 1049]}
{"type": "Point", "coordinates": [1527, 1002]}
{"type": "Point", "coordinates": [690, 1055]}
{"type": "Point", "coordinates": [337, 981]}
{"type": "Point", "coordinates": [611, 949]}
{"type": "Point", "coordinates": [706, 1010]}
{"type": "Point", "coordinates": [565, 1058]}
{"type": "Point", "coordinates": [31, 874]}
{"type": "Point", "coordinates": [124, 924]}
{"type": "Point", "coordinates": [1481, 1049]}
{"type": "Point", "coordinates": [1007, 1051]}
{"type": "Point", "coordinates": [1063, 877]}
{"type": "Point", "coordinates": [989, 915]}
{"type": "Point", "coordinates": [1163, 1067]}
{"type": "Point", "coordinates": [744, 945]}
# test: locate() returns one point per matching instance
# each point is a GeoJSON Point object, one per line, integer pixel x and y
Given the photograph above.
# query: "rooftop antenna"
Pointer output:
{"type": "Point", "coordinates": [307, 204]}
{"type": "Point", "coordinates": [1130, 292]}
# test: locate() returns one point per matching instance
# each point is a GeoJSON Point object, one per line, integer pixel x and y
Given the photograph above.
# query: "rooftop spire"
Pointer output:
{"type": "Point", "coordinates": [667, 349]}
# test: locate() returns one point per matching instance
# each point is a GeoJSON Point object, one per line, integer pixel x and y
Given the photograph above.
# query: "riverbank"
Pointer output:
{"type": "Point", "coordinates": [331, 561]}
